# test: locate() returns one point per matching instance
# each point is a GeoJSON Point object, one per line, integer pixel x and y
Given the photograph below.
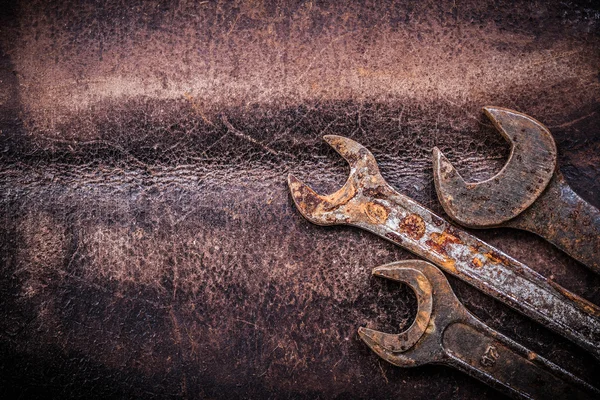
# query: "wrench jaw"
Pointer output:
{"type": "Point", "coordinates": [341, 207]}
{"type": "Point", "coordinates": [447, 180]}
{"type": "Point", "coordinates": [408, 348]}
{"type": "Point", "coordinates": [521, 181]}
{"type": "Point", "coordinates": [454, 337]}
{"type": "Point", "coordinates": [318, 209]}
{"type": "Point", "coordinates": [381, 342]}
{"type": "Point", "coordinates": [360, 159]}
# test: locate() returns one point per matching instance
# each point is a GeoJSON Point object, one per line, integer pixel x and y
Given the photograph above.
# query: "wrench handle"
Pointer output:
{"type": "Point", "coordinates": [405, 222]}
{"type": "Point", "coordinates": [491, 357]}
{"type": "Point", "coordinates": [563, 218]}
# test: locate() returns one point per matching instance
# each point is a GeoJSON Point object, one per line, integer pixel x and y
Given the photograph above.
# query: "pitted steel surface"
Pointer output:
{"type": "Point", "coordinates": [445, 332]}
{"type": "Point", "coordinates": [149, 246]}
{"type": "Point", "coordinates": [367, 201]}
{"type": "Point", "coordinates": [528, 193]}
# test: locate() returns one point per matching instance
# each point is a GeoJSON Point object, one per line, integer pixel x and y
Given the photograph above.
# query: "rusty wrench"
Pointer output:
{"type": "Point", "coordinates": [445, 332]}
{"type": "Point", "coordinates": [528, 193]}
{"type": "Point", "coordinates": [368, 202]}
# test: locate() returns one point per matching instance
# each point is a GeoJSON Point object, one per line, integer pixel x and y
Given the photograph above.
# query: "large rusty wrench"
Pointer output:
{"type": "Point", "coordinates": [528, 193]}
{"type": "Point", "coordinates": [368, 202]}
{"type": "Point", "coordinates": [445, 332]}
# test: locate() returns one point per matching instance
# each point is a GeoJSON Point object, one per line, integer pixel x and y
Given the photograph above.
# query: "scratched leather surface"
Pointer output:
{"type": "Point", "coordinates": [149, 246]}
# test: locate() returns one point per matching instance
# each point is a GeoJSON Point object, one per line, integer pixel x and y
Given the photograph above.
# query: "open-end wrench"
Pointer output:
{"type": "Point", "coordinates": [368, 202]}
{"type": "Point", "coordinates": [528, 193]}
{"type": "Point", "coordinates": [444, 332]}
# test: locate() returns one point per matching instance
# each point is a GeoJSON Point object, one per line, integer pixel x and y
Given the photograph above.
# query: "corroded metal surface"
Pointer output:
{"type": "Point", "coordinates": [565, 219]}
{"type": "Point", "coordinates": [452, 336]}
{"type": "Point", "coordinates": [528, 193]}
{"type": "Point", "coordinates": [148, 249]}
{"type": "Point", "coordinates": [527, 172]}
{"type": "Point", "coordinates": [368, 202]}
{"type": "Point", "coordinates": [408, 339]}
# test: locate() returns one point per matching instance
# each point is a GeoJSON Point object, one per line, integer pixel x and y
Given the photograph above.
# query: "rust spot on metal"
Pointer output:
{"type": "Point", "coordinates": [477, 263]}
{"type": "Point", "coordinates": [496, 258]}
{"type": "Point", "coordinates": [450, 266]}
{"type": "Point", "coordinates": [589, 307]}
{"type": "Point", "coordinates": [339, 198]}
{"type": "Point", "coordinates": [474, 249]}
{"type": "Point", "coordinates": [394, 237]}
{"type": "Point", "coordinates": [439, 242]}
{"type": "Point", "coordinates": [454, 231]}
{"type": "Point", "coordinates": [437, 221]}
{"type": "Point", "coordinates": [309, 202]}
{"type": "Point", "coordinates": [376, 212]}
{"type": "Point", "coordinates": [413, 225]}
{"type": "Point", "coordinates": [375, 192]}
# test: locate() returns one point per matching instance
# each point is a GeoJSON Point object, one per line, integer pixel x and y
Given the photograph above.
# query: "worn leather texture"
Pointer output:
{"type": "Point", "coordinates": [148, 243]}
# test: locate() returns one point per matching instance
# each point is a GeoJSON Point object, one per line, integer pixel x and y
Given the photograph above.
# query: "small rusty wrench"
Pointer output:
{"type": "Point", "coordinates": [528, 193]}
{"type": "Point", "coordinates": [444, 332]}
{"type": "Point", "coordinates": [368, 202]}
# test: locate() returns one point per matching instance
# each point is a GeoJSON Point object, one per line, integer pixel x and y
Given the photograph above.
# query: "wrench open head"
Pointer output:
{"type": "Point", "coordinates": [345, 206]}
{"type": "Point", "coordinates": [444, 332]}
{"type": "Point", "coordinates": [438, 307]}
{"type": "Point", "coordinates": [528, 171]}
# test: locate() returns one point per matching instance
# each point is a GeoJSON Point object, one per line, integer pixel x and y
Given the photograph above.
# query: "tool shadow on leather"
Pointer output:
{"type": "Point", "coordinates": [529, 192]}
{"type": "Point", "coordinates": [445, 332]}
{"type": "Point", "coordinates": [368, 202]}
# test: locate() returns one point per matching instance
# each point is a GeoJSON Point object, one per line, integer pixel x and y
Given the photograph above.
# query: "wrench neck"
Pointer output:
{"type": "Point", "coordinates": [563, 218]}
{"type": "Point", "coordinates": [493, 358]}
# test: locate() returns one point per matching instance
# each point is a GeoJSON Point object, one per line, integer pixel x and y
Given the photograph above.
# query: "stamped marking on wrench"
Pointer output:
{"type": "Point", "coordinates": [528, 193]}
{"type": "Point", "coordinates": [368, 202]}
{"type": "Point", "coordinates": [454, 337]}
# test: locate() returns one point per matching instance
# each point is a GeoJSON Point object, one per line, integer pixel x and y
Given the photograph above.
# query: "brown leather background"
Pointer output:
{"type": "Point", "coordinates": [148, 243]}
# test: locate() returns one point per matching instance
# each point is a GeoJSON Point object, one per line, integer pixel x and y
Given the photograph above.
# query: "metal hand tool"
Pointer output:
{"type": "Point", "coordinates": [368, 202]}
{"type": "Point", "coordinates": [445, 332]}
{"type": "Point", "coordinates": [528, 193]}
